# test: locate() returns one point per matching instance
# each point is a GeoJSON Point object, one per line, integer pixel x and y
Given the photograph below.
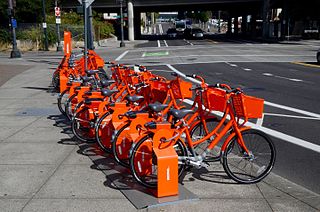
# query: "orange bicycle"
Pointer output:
{"type": "Point", "coordinates": [247, 155]}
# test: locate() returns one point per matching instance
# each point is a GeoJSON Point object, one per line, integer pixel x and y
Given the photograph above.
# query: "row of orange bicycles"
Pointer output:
{"type": "Point", "coordinates": [131, 110]}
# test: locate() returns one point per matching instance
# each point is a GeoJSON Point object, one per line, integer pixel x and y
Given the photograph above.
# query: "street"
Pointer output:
{"type": "Point", "coordinates": [270, 71]}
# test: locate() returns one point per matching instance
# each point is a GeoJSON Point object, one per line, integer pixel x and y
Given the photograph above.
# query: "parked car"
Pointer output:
{"type": "Point", "coordinates": [172, 33]}
{"type": "Point", "coordinates": [193, 33]}
{"type": "Point", "coordinates": [318, 56]}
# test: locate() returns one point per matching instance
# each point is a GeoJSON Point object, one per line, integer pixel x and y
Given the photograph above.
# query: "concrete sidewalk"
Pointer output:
{"type": "Point", "coordinates": [43, 169]}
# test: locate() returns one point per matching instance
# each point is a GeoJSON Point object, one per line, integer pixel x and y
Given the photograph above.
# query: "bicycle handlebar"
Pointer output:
{"type": "Point", "coordinates": [196, 77]}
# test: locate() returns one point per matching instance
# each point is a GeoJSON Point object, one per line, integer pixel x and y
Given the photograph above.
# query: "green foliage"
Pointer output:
{"type": "Point", "coordinates": [71, 18]}
{"type": "Point", "coordinates": [102, 30]}
{"type": "Point", "coordinates": [33, 34]}
{"type": "Point", "coordinates": [4, 36]}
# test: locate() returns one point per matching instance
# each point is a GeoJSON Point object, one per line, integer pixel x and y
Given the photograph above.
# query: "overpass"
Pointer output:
{"type": "Point", "coordinates": [257, 9]}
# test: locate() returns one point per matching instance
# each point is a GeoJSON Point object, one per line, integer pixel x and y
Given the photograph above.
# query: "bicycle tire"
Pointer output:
{"type": "Point", "coordinates": [198, 132]}
{"type": "Point", "coordinates": [82, 129]}
{"type": "Point", "coordinates": [145, 143]}
{"type": "Point", "coordinates": [62, 101]}
{"type": "Point", "coordinates": [253, 140]}
{"type": "Point", "coordinates": [56, 80]}
{"type": "Point", "coordinates": [68, 108]}
{"type": "Point", "coordinates": [117, 147]}
{"type": "Point", "coordinates": [98, 133]}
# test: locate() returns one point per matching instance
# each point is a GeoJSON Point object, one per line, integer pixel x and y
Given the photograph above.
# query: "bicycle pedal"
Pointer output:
{"type": "Point", "coordinates": [205, 164]}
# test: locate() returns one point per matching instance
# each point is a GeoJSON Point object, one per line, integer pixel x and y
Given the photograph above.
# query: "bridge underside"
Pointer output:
{"type": "Point", "coordinates": [165, 5]}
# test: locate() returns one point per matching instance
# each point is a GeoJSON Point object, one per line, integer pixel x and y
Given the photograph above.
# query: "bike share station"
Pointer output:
{"type": "Point", "coordinates": [168, 190]}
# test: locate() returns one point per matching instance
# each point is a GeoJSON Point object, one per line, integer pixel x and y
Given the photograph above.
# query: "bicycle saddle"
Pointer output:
{"type": "Point", "coordinates": [106, 83]}
{"type": "Point", "coordinates": [108, 92]}
{"type": "Point", "coordinates": [156, 107]}
{"type": "Point", "coordinates": [91, 72]}
{"type": "Point", "coordinates": [85, 79]}
{"type": "Point", "coordinates": [179, 114]}
{"type": "Point", "coordinates": [135, 98]}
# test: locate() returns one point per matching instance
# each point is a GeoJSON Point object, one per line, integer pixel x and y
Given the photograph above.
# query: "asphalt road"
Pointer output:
{"type": "Point", "coordinates": [296, 163]}
{"type": "Point", "coordinates": [263, 70]}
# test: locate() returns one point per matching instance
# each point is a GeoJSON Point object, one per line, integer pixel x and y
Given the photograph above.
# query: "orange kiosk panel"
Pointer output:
{"type": "Point", "coordinates": [167, 162]}
{"type": "Point", "coordinates": [67, 47]}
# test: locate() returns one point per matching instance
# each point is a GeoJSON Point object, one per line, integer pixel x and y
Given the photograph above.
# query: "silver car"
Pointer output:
{"type": "Point", "coordinates": [197, 33]}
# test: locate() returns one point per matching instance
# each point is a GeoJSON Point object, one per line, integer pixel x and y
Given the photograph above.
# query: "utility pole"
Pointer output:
{"type": "Point", "coordinates": [58, 22]}
{"type": "Point", "coordinates": [84, 4]}
{"type": "Point", "coordinates": [44, 25]}
{"type": "Point", "coordinates": [15, 53]}
{"type": "Point", "coordinates": [219, 21]}
{"type": "Point", "coordinates": [90, 29]}
{"type": "Point", "coordinates": [122, 44]}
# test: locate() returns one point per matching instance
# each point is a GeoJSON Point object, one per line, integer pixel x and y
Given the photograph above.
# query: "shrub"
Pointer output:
{"type": "Point", "coordinates": [5, 36]}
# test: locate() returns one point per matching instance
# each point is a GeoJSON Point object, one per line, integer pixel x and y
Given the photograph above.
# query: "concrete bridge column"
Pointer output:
{"type": "Point", "coordinates": [130, 21]}
{"type": "Point", "coordinates": [229, 31]}
{"type": "Point", "coordinates": [235, 25]}
{"type": "Point", "coordinates": [244, 25]}
{"type": "Point", "coordinates": [266, 18]}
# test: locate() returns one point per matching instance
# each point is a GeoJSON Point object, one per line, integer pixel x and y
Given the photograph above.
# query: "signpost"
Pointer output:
{"type": "Point", "coordinates": [122, 44]}
{"type": "Point", "coordinates": [57, 12]}
{"type": "Point", "coordinates": [85, 4]}
{"type": "Point", "coordinates": [15, 53]}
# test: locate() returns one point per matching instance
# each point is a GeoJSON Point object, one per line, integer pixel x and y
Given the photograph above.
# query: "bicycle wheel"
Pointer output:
{"type": "Point", "coordinates": [121, 146]}
{"type": "Point", "coordinates": [244, 168]}
{"type": "Point", "coordinates": [103, 131]}
{"type": "Point", "coordinates": [62, 99]}
{"type": "Point", "coordinates": [68, 108]}
{"type": "Point", "coordinates": [82, 126]}
{"type": "Point", "coordinates": [143, 164]}
{"type": "Point", "coordinates": [56, 80]}
{"type": "Point", "coordinates": [198, 132]}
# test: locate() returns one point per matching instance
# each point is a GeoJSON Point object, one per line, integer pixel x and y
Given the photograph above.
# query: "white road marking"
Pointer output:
{"type": "Point", "coordinates": [274, 133]}
{"type": "Point", "coordinates": [158, 43]}
{"type": "Point", "coordinates": [188, 42]}
{"type": "Point", "coordinates": [247, 69]}
{"type": "Point", "coordinates": [280, 77]}
{"type": "Point", "coordinates": [165, 43]}
{"type": "Point", "coordinates": [122, 55]}
{"type": "Point", "coordinates": [307, 113]}
{"type": "Point", "coordinates": [291, 116]}
{"type": "Point", "coordinates": [231, 64]}
{"type": "Point", "coordinates": [155, 70]}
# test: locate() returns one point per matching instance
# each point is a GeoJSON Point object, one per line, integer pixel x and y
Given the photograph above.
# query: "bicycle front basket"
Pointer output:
{"type": "Point", "coordinates": [247, 106]}
{"type": "Point", "coordinates": [159, 91]}
{"type": "Point", "coordinates": [181, 89]}
{"type": "Point", "coordinates": [214, 99]}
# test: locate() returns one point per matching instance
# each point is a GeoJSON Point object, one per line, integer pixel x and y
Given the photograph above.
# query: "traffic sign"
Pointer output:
{"type": "Point", "coordinates": [88, 2]}
{"type": "Point", "coordinates": [14, 23]}
{"type": "Point", "coordinates": [57, 11]}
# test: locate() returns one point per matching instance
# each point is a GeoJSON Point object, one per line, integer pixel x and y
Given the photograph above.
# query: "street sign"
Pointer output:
{"type": "Point", "coordinates": [89, 2]}
{"type": "Point", "coordinates": [57, 11]}
{"type": "Point", "coordinates": [14, 23]}
{"type": "Point", "coordinates": [58, 20]}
